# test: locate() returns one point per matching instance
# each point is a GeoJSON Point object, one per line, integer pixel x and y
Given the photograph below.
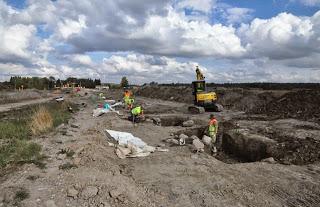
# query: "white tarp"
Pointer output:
{"type": "Point", "coordinates": [131, 146]}
{"type": "Point", "coordinates": [125, 138]}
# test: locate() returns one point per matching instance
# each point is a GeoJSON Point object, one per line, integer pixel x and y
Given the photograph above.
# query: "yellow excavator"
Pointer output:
{"type": "Point", "coordinates": [203, 100]}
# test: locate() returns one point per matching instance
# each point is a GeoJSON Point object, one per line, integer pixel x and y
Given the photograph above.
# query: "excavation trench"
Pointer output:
{"type": "Point", "coordinates": [234, 147]}
{"type": "Point", "coordinates": [239, 145]}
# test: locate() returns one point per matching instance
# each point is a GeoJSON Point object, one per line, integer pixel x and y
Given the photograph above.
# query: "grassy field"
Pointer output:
{"type": "Point", "coordinates": [18, 96]}
{"type": "Point", "coordinates": [19, 127]}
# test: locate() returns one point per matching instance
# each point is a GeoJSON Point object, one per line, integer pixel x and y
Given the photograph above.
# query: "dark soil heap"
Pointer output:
{"type": "Point", "coordinates": [180, 94]}
{"type": "Point", "coordinates": [301, 104]}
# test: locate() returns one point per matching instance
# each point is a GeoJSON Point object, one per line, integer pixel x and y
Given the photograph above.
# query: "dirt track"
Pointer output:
{"type": "Point", "coordinates": [174, 178]}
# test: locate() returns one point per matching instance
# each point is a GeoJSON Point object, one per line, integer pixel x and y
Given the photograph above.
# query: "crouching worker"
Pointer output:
{"type": "Point", "coordinates": [212, 131]}
{"type": "Point", "coordinates": [136, 115]}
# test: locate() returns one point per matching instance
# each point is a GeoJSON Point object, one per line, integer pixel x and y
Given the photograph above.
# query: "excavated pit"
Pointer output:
{"type": "Point", "coordinates": [173, 120]}
{"type": "Point", "coordinates": [231, 147]}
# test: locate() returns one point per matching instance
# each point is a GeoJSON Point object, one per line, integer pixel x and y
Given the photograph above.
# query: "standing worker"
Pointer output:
{"type": "Point", "coordinates": [199, 74]}
{"type": "Point", "coordinates": [212, 131]}
{"type": "Point", "coordinates": [126, 98]}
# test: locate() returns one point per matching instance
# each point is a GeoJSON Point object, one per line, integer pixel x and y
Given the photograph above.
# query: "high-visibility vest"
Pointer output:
{"type": "Point", "coordinates": [137, 110]}
{"type": "Point", "coordinates": [213, 127]}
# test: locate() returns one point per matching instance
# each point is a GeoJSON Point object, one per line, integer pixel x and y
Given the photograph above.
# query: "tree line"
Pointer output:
{"type": "Point", "coordinates": [18, 82]}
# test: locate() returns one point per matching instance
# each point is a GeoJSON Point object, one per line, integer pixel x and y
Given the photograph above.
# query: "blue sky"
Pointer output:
{"type": "Point", "coordinates": [162, 40]}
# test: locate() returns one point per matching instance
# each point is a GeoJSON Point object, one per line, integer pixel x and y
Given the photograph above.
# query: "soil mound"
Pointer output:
{"type": "Point", "coordinates": [180, 94]}
{"type": "Point", "coordinates": [302, 104]}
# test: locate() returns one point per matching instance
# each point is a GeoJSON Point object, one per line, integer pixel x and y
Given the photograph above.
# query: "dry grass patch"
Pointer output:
{"type": "Point", "coordinates": [41, 121]}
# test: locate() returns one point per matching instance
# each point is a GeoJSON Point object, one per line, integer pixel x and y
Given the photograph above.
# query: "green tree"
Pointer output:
{"type": "Point", "coordinates": [124, 82]}
{"type": "Point", "coordinates": [52, 82]}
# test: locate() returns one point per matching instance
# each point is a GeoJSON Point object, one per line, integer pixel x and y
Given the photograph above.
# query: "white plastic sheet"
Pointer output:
{"type": "Point", "coordinates": [136, 147]}
{"type": "Point", "coordinates": [125, 138]}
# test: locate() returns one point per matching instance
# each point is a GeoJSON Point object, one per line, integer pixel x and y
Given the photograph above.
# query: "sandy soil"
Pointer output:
{"type": "Point", "coordinates": [175, 178]}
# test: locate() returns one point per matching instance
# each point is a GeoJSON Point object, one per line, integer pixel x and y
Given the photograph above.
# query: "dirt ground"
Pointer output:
{"type": "Point", "coordinates": [95, 176]}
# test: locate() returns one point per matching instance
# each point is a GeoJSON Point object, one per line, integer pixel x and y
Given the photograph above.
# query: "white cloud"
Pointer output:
{"type": "Point", "coordinates": [81, 59]}
{"type": "Point", "coordinates": [282, 37]}
{"type": "Point", "coordinates": [69, 27]}
{"type": "Point", "coordinates": [310, 2]}
{"type": "Point", "coordinates": [238, 15]}
{"type": "Point", "coordinates": [146, 68]}
{"type": "Point", "coordinates": [15, 40]}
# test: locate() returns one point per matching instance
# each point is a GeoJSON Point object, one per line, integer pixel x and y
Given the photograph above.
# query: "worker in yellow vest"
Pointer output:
{"type": "Point", "coordinates": [212, 131]}
{"type": "Point", "coordinates": [137, 114]}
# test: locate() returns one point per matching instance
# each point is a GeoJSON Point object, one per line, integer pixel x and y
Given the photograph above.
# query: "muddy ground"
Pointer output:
{"type": "Point", "coordinates": [238, 176]}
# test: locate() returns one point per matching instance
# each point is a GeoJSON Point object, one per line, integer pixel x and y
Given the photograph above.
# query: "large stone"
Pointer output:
{"type": "Point", "coordinates": [197, 145]}
{"type": "Point", "coordinates": [269, 160]}
{"type": "Point", "coordinates": [194, 137]}
{"type": "Point", "coordinates": [206, 140]}
{"type": "Point", "coordinates": [89, 192]}
{"type": "Point", "coordinates": [188, 123]}
{"type": "Point", "coordinates": [115, 193]}
{"type": "Point", "coordinates": [250, 146]}
{"type": "Point", "coordinates": [71, 192]}
{"type": "Point", "coordinates": [156, 121]}
{"type": "Point", "coordinates": [183, 136]}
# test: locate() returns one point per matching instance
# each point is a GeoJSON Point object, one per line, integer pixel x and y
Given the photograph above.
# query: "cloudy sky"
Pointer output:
{"type": "Point", "coordinates": [162, 40]}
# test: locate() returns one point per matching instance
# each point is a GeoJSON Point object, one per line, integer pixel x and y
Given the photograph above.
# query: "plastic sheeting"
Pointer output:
{"type": "Point", "coordinates": [131, 146]}
{"type": "Point", "coordinates": [125, 138]}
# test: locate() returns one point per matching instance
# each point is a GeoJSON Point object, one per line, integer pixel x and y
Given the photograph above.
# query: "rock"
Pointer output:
{"type": "Point", "coordinates": [71, 192]}
{"type": "Point", "coordinates": [50, 203]}
{"type": "Point", "coordinates": [197, 145]}
{"type": "Point", "coordinates": [206, 140]}
{"type": "Point", "coordinates": [182, 139]}
{"type": "Point", "coordinates": [89, 192]}
{"type": "Point", "coordinates": [74, 126]}
{"type": "Point", "coordinates": [122, 152]}
{"type": "Point", "coordinates": [182, 142]}
{"type": "Point", "coordinates": [115, 193]}
{"type": "Point", "coordinates": [156, 121]}
{"type": "Point", "coordinates": [173, 141]}
{"type": "Point", "coordinates": [194, 137]}
{"type": "Point", "coordinates": [188, 123]}
{"type": "Point", "coordinates": [269, 160]}
{"type": "Point", "coordinates": [183, 136]}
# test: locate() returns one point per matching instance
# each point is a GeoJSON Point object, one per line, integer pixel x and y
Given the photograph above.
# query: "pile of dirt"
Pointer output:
{"type": "Point", "coordinates": [296, 151]}
{"type": "Point", "coordinates": [301, 104]}
{"type": "Point", "coordinates": [245, 99]}
{"type": "Point", "coordinates": [231, 98]}
{"type": "Point", "coordinates": [180, 94]}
